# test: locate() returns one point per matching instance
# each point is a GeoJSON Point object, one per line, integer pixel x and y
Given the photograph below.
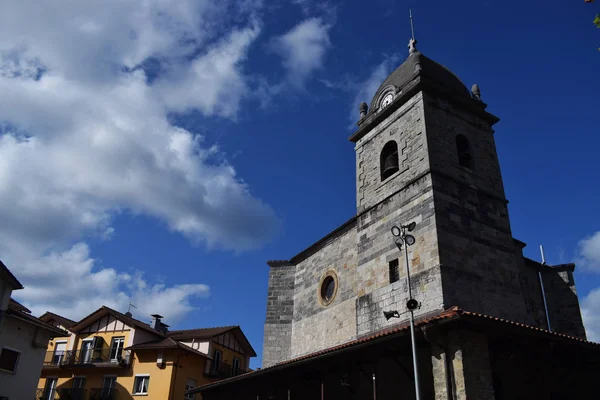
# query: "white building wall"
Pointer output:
{"type": "Point", "coordinates": [19, 335]}
{"type": "Point", "coordinates": [200, 346]}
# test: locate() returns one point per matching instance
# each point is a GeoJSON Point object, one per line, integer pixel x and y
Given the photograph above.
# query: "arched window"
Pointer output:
{"type": "Point", "coordinates": [464, 152]}
{"type": "Point", "coordinates": [388, 160]}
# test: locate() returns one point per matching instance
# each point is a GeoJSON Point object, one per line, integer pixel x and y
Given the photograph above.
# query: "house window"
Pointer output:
{"type": "Point", "coordinates": [328, 288]}
{"type": "Point", "coordinates": [78, 388]}
{"type": "Point", "coordinates": [388, 160]}
{"type": "Point", "coordinates": [108, 386]}
{"type": "Point", "coordinates": [59, 352]}
{"type": "Point", "coordinates": [116, 348]}
{"type": "Point", "coordinates": [394, 272]}
{"type": "Point", "coordinates": [50, 389]}
{"type": "Point", "coordinates": [464, 152]}
{"type": "Point", "coordinates": [140, 385]}
{"type": "Point", "coordinates": [236, 366]}
{"type": "Point", "coordinates": [189, 385]}
{"type": "Point", "coordinates": [217, 357]}
{"type": "Point", "coordinates": [9, 360]}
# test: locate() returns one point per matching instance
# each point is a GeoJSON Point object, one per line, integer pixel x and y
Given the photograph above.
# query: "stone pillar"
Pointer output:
{"type": "Point", "coordinates": [440, 375]}
{"type": "Point", "coordinates": [468, 368]}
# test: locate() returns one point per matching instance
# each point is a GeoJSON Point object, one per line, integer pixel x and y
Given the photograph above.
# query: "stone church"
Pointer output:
{"type": "Point", "coordinates": [490, 323]}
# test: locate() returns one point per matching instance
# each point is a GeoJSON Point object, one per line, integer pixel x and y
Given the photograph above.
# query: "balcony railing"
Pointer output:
{"type": "Point", "coordinates": [105, 356]}
{"type": "Point", "coordinates": [103, 394]}
{"type": "Point", "coordinates": [72, 394]}
{"type": "Point", "coordinates": [76, 394]}
{"type": "Point", "coordinates": [45, 394]}
{"type": "Point", "coordinates": [222, 370]}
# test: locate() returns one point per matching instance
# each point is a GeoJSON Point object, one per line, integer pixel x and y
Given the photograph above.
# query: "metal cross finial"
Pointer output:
{"type": "Point", "coordinates": [412, 28]}
{"type": "Point", "coordinates": [412, 42]}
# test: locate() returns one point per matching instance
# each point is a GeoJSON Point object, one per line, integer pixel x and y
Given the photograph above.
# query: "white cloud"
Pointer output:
{"type": "Point", "coordinates": [86, 137]}
{"type": "Point", "coordinates": [84, 286]}
{"type": "Point", "coordinates": [590, 312]}
{"type": "Point", "coordinates": [303, 49]}
{"type": "Point", "coordinates": [213, 83]}
{"type": "Point", "coordinates": [588, 255]}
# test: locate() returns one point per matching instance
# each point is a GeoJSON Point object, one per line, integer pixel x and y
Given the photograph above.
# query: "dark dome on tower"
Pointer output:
{"type": "Point", "coordinates": [429, 71]}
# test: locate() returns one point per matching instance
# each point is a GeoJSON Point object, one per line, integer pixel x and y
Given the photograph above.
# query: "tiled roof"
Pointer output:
{"type": "Point", "coordinates": [452, 313]}
{"type": "Point", "coordinates": [200, 333]}
{"type": "Point", "coordinates": [102, 311]}
{"type": "Point", "coordinates": [18, 306]}
{"type": "Point", "coordinates": [18, 311]}
{"type": "Point", "coordinates": [66, 322]}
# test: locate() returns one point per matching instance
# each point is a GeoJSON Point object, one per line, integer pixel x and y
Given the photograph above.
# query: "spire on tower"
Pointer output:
{"type": "Point", "coordinates": [412, 43]}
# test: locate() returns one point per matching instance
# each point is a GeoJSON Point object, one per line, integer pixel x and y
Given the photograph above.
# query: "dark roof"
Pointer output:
{"type": "Point", "coordinates": [315, 246]}
{"type": "Point", "coordinates": [200, 333]}
{"type": "Point", "coordinates": [569, 266]}
{"type": "Point", "coordinates": [210, 333]}
{"type": "Point", "coordinates": [447, 315]}
{"type": "Point", "coordinates": [18, 311]}
{"type": "Point", "coordinates": [431, 71]}
{"type": "Point", "coordinates": [18, 306]}
{"type": "Point", "coordinates": [165, 343]}
{"type": "Point", "coordinates": [66, 322]}
{"type": "Point", "coordinates": [102, 311]}
{"type": "Point", "coordinates": [7, 275]}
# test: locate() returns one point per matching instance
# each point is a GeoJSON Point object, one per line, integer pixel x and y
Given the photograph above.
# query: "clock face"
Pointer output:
{"type": "Point", "coordinates": [387, 100]}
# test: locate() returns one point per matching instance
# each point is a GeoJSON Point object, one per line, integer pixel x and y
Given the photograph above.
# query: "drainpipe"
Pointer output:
{"type": "Point", "coordinates": [172, 389]}
{"type": "Point", "coordinates": [543, 290]}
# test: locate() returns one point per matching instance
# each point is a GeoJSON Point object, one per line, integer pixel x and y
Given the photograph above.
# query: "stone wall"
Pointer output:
{"type": "Point", "coordinates": [316, 326]}
{"type": "Point", "coordinates": [405, 126]}
{"type": "Point", "coordinates": [376, 248]}
{"type": "Point", "coordinates": [480, 270]}
{"type": "Point", "coordinates": [563, 303]}
{"type": "Point", "coordinates": [280, 305]}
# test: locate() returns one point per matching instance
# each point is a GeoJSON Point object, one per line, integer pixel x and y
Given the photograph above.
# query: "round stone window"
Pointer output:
{"type": "Point", "coordinates": [328, 288]}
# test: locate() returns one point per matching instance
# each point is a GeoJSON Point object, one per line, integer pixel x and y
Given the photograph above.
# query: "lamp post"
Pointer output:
{"type": "Point", "coordinates": [403, 238]}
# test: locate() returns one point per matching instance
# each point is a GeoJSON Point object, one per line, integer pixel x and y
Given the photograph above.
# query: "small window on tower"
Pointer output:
{"type": "Point", "coordinates": [394, 273]}
{"type": "Point", "coordinates": [464, 152]}
{"type": "Point", "coordinates": [388, 160]}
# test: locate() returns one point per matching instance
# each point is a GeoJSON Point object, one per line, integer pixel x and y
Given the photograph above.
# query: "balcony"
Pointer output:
{"type": "Point", "coordinates": [103, 394]}
{"type": "Point", "coordinates": [221, 370]}
{"type": "Point", "coordinates": [105, 357]}
{"type": "Point", "coordinates": [76, 394]}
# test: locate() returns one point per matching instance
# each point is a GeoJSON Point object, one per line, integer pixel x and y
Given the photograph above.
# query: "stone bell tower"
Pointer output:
{"type": "Point", "coordinates": [425, 152]}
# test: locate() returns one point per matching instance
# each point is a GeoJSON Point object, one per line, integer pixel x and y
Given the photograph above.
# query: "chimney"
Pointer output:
{"type": "Point", "coordinates": [158, 325]}
{"type": "Point", "coordinates": [128, 314]}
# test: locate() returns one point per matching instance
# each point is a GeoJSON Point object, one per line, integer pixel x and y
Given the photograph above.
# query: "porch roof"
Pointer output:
{"type": "Point", "coordinates": [448, 315]}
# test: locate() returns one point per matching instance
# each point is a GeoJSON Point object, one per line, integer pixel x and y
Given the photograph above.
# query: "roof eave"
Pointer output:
{"type": "Point", "coordinates": [14, 282]}
{"type": "Point", "coordinates": [30, 319]}
{"type": "Point", "coordinates": [413, 86]}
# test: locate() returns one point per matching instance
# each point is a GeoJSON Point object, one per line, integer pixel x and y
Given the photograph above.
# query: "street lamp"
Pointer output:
{"type": "Point", "coordinates": [402, 237]}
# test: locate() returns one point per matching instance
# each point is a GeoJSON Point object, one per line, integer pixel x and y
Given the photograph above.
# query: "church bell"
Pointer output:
{"type": "Point", "coordinates": [390, 165]}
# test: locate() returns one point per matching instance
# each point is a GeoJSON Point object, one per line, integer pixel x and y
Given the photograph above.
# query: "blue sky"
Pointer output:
{"type": "Point", "coordinates": [161, 154]}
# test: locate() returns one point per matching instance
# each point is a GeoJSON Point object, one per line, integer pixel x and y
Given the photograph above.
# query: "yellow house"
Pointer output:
{"type": "Point", "coordinates": [112, 356]}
